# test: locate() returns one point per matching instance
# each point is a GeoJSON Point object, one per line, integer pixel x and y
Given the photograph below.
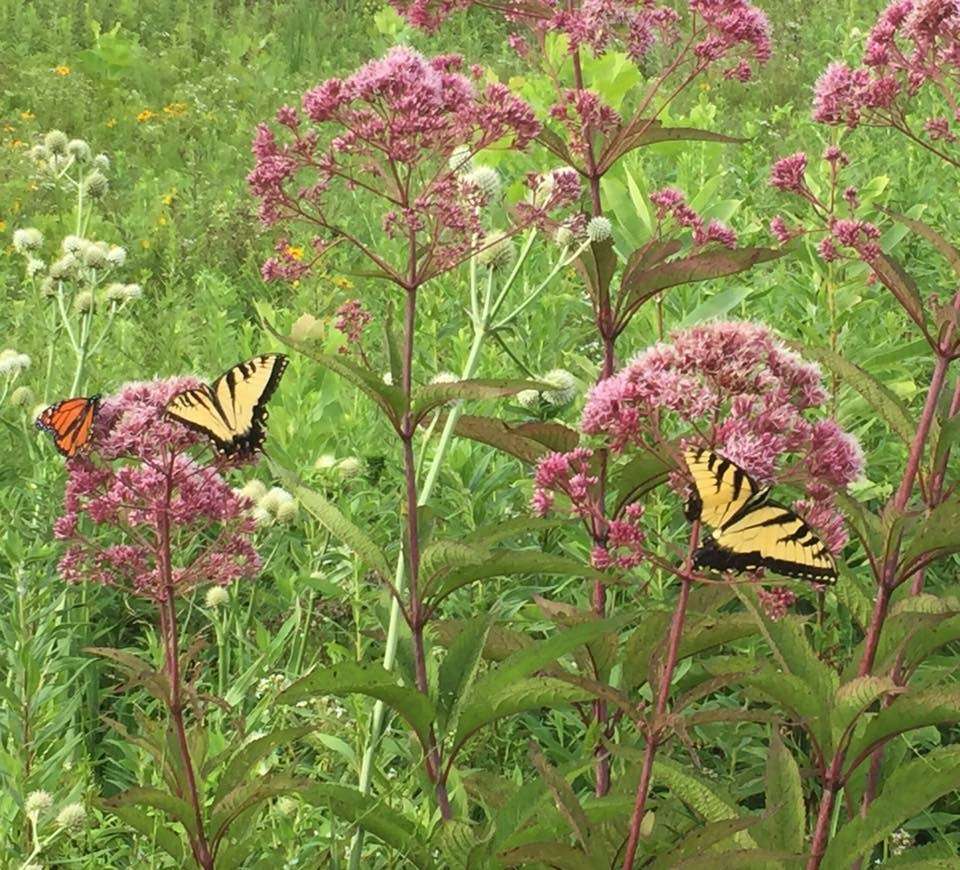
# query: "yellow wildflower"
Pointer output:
{"type": "Point", "coordinates": [112, 122]}
{"type": "Point", "coordinates": [168, 198]}
{"type": "Point", "coordinates": [27, 115]}
{"type": "Point", "coordinates": [16, 143]}
{"type": "Point", "coordinates": [146, 115]}
{"type": "Point", "coordinates": [175, 109]}
{"type": "Point", "coordinates": [162, 221]}
{"type": "Point", "coordinates": [342, 282]}
{"type": "Point", "coordinates": [295, 252]}
{"type": "Point", "coordinates": [3, 225]}
{"type": "Point", "coordinates": [145, 243]}
{"type": "Point", "coordinates": [62, 70]}
{"type": "Point", "coordinates": [8, 128]}
{"type": "Point", "coordinates": [704, 86]}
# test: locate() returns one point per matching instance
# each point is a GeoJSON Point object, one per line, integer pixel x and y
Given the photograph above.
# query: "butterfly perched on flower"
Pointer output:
{"type": "Point", "coordinates": [750, 531]}
{"type": "Point", "coordinates": [232, 410]}
{"type": "Point", "coordinates": [71, 423]}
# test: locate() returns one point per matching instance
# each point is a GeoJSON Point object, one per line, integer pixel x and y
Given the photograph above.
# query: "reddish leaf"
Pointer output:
{"type": "Point", "coordinates": [895, 278]}
{"type": "Point", "coordinates": [596, 266]}
{"type": "Point", "coordinates": [649, 132]}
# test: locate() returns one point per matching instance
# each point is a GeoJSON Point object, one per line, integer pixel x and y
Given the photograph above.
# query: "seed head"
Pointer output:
{"type": "Point", "coordinates": [83, 301]}
{"type": "Point", "coordinates": [254, 490]}
{"type": "Point", "coordinates": [37, 802]}
{"type": "Point", "coordinates": [79, 150]}
{"type": "Point", "coordinates": [94, 255]}
{"type": "Point", "coordinates": [64, 268]}
{"type": "Point", "coordinates": [460, 159]}
{"type": "Point", "coordinates": [564, 236]}
{"type": "Point", "coordinates": [21, 397]}
{"type": "Point", "coordinates": [216, 597]}
{"type": "Point", "coordinates": [95, 185]}
{"type": "Point", "coordinates": [564, 386]}
{"type": "Point", "coordinates": [599, 229]}
{"type": "Point", "coordinates": [13, 362]}
{"type": "Point", "coordinates": [56, 142]}
{"type": "Point", "coordinates": [72, 817]}
{"type": "Point", "coordinates": [485, 179]}
{"type": "Point", "coordinates": [286, 512]}
{"type": "Point", "coordinates": [348, 467]}
{"type": "Point", "coordinates": [101, 162]}
{"type": "Point", "coordinates": [27, 239]}
{"type": "Point", "coordinates": [497, 252]}
{"type": "Point", "coordinates": [116, 256]}
{"type": "Point", "coordinates": [274, 498]}
{"type": "Point", "coordinates": [73, 244]}
{"type": "Point", "coordinates": [34, 266]}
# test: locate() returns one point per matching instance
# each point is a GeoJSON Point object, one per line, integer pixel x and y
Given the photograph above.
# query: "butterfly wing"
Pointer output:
{"type": "Point", "coordinates": [232, 410]}
{"type": "Point", "coordinates": [768, 536]}
{"type": "Point", "coordinates": [70, 422]}
{"type": "Point", "coordinates": [721, 488]}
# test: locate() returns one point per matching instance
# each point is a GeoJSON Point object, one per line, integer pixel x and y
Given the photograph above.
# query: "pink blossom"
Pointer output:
{"type": "Point", "coordinates": [386, 133]}
{"type": "Point", "coordinates": [788, 172]}
{"type": "Point", "coordinates": [776, 601]}
{"type": "Point", "coordinates": [780, 230]}
{"type": "Point", "coordinates": [352, 319]}
{"type": "Point", "coordinates": [670, 202]}
{"type": "Point", "coordinates": [139, 480]}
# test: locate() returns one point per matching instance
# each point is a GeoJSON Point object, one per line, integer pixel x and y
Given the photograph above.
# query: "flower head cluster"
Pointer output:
{"type": "Point", "coordinates": [747, 396]}
{"type": "Point", "coordinates": [732, 30]}
{"type": "Point", "coordinates": [776, 601]}
{"type": "Point", "coordinates": [388, 132]}
{"type": "Point", "coordinates": [139, 497]}
{"type": "Point", "coordinates": [618, 542]}
{"type": "Point", "coordinates": [352, 319]}
{"type": "Point", "coordinates": [671, 204]}
{"type": "Point", "coordinates": [914, 43]}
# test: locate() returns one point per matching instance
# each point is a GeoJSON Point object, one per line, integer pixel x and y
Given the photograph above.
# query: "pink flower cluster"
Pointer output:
{"type": "Point", "coordinates": [618, 542]}
{"type": "Point", "coordinates": [912, 44]}
{"type": "Point", "coordinates": [745, 395]}
{"type": "Point", "coordinates": [583, 115]}
{"type": "Point", "coordinates": [352, 319]}
{"type": "Point", "coordinates": [388, 131]}
{"type": "Point", "coordinates": [139, 480]}
{"type": "Point", "coordinates": [733, 30]}
{"type": "Point", "coordinates": [671, 203]}
{"type": "Point", "coordinates": [775, 601]}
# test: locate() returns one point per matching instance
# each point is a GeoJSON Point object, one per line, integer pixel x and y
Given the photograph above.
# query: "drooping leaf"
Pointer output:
{"type": "Point", "coordinates": [152, 829]}
{"type": "Point", "coordinates": [501, 642]}
{"type": "Point", "coordinates": [555, 855]}
{"type": "Point", "coordinates": [137, 671]}
{"type": "Point", "coordinates": [250, 794]}
{"type": "Point", "coordinates": [704, 797]}
{"type": "Point", "coordinates": [854, 697]}
{"type": "Point", "coordinates": [250, 753]}
{"type": "Point", "coordinates": [881, 399]}
{"type": "Point", "coordinates": [911, 788]}
{"type": "Point", "coordinates": [717, 305]}
{"type": "Point", "coordinates": [948, 251]}
{"type": "Point", "coordinates": [637, 477]}
{"type": "Point", "coordinates": [563, 796]}
{"type": "Point", "coordinates": [648, 131]}
{"type": "Point", "coordinates": [935, 536]}
{"type": "Point", "coordinates": [784, 828]}
{"type": "Point", "coordinates": [431, 396]}
{"type": "Point", "coordinates": [370, 813]}
{"type": "Point", "coordinates": [173, 807]}
{"type": "Point", "coordinates": [639, 285]}
{"type": "Point", "coordinates": [440, 557]}
{"type": "Point", "coordinates": [373, 681]}
{"type": "Point", "coordinates": [896, 279]}
{"type": "Point", "coordinates": [459, 669]}
{"type": "Point", "coordinates": [702, 840]}
{"type": "Point", "coordinates": [595, 266]}
{"type": "Point", "coordinates": [331, 518]}
{"type": "Point", "coordinates": [501, 436]}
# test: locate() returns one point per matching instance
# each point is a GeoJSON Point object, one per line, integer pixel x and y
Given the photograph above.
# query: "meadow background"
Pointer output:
{"type": "Point", "coordinates": [171, 92]}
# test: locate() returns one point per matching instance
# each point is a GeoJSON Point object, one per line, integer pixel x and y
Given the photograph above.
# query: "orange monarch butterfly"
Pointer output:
{"type": "Point", "coordinates": [70, 422]}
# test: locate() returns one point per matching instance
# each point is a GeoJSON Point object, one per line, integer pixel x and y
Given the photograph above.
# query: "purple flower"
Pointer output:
{"type": "Point", "coordinates": [139, 496]}
{"type": "Point", "coordinates": [352, 319]}
{"type": "Point", "coordinates": [788, 172]}
{"type": "Point", "coordinates": [780, 230]}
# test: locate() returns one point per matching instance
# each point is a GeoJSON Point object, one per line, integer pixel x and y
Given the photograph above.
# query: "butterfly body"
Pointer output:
{"type": "Point", "coordinates": [71, 423]}
{"type": "Point", "coordinates": [232, 411]}
{"type": "Point", "coordinates": [749, 531]}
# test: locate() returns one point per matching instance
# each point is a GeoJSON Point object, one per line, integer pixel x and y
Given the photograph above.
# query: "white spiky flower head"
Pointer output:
{"type": "Point", "coordinates": [94, 255]}
{"type": "Point", "coordinates": [528, 398]}
{"type": "Point", "coordinates": [216, 597]}
{"type": "Point", "coordinates": [115, 292]}
{"type": "Point", "coordinates": [13, 362]}
{"type": "Point", "coordinates": [37, 802]}
{"type": "Point", "coordinates": [64, 268]}
{"type": "Point", "coordinates": [325, 461]}
{"type": "Point", "coordinates": [274, 498]}
{"type": "Point", "coordinates": [79, 150]}
{"type": "Point", "coordinates": [34, 266]}
{"type": "Point", "coordinates": [461, 160]}
{"type": "Point", "coordinates": [261, 517]}
{"type": "Point", "coordinates": [56, 142]}
{"type": "Point", "coordinates": [486, 179]}
{"type": "Point", "coordinates": [102, 162]}
{"type": "Point", "coordinates": [132, 292]}
{"type": "Point", "coordinates": [72, 817]}
{"type": "Point", "coordinates": [116, 255]}
{"type": "Point", "coordinates": [599, 229]}
{"type": "Point", "coordinates": [564, 387]}
{"type": "Point", "coordinates": [39, 154]}
{"type": "Point", "coordinates": [286, 512]}
{"type": "Point", "coordinates": [95, 185]}
{"type": "Point", "coordinates": [254, 490]}
{"type": "Point", "coordinates": [21, 397]}
{"type": "Point", "coordinates": [497, 252]}
{"type": "Point", "coordinates": [73, 244]}
{"type": "Point", "coordinates": [348, 467]}
{"type": "Point", "coordinates": [563, 236]}
{"type": "Point", "coordinates": [388, 378]}
{"type": "Point", "coordinates": [27, 239]}
{"type": "Point", "coordinates": [83, 301]}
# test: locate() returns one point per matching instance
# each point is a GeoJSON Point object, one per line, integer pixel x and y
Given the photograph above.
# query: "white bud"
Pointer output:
{"type": "Point", "coordinates": [388, 378]}
{"type": "Point", "coordinates": [37, 802]}
{"type": "Point", "coordinates": [485, 179]}
{"type": "Point", "coordinates": [349, 467]}
{"type": "Point", "coordinates": [274, 498]}
{"type": "Point", "coordinates": [286, 512]}
{"type": "Point", "coordinates": [262, 517]}
{"type": "Point", "coordinates": [56, 142]}
{"type": "Point", "coordinates": [27, 239]}
{"type": "Point", "coordinates": [116, 256]}
{"type": "Point", "coordinates": [115, 292]}
{"type": "Point", "coordinates": [216, 597]}
{"type": "Point", "coordinates": [599, 229]}
{"type": "Point", "coordinates": [83, 301]}
{"type": "Point", "coordinates": [564, 236]}
{"type": "Point", "coordinates": [39, 154]}
{"type": "Point", "coordinates": [564, 386]}
{"type": "Point", "coordinates": [325, 461]}
{"type": "Point", "coordinates": [444, 378]}
{"type": "Point", "coordinates": [94, 255]}
{"type": "Point", "coordinates": [21, 397]}
{"type": "Point", "coordinates": [72, 816]}
{"type": "Point", "coordinates": [286, 806]}
{"type": "Point", "coordinates": [34, 266]}
{"type": "Point", "coordinates": [460, 159]}
{"type": "Point", "coordinates": [101, 162]}
{"type": "Point", "coordinates": [528, 398]}
{"type": "Point", "coordinates": [95, 184]}
{"type": "Point", "coordinates": [72, 244]}
{"type": "Point", "coordinates": [497, 252]}
{"type": "Point", "coordinates": [79, 150]}
{"type": "Point", "coordinates": [12, 362]}
{"type": "Point", "coordinates": [132, 292]}
{"type": "Point", "coordinates": [64, 267]}
{"type": "Point", "coordinates": [254, 490]}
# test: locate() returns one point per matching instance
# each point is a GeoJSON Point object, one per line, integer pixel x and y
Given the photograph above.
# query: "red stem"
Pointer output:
{"type": "Point", "coordinates": [656, 723]}
{"type": "Point", "coordinates": [168, 623]}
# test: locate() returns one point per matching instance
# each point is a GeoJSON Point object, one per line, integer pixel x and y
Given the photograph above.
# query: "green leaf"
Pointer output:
{"type": "Point", "coordinates": [895, 278]}
{"type": "Point", "coordinates": [640, 284]}
{"type": "Point", "coordinates": [714, 630]}
{"type": "Point", "coordinates": [390, 399]}
{"type": "Point", "coordinates": [487, 536]}
{"type": "Point", "coordinates": [637, 477]}
{"type": "Point", "coordinates": [911, 788]}
{"type": "Point", "coordinates": [702, 839]}
{"type": "Point", "coordinates": [936, 534]}
{"type": "Point", "coordinates": [137, 671]}
{"type": "Point", "coordinates": [912, 709]}
{"type": "Point", "coordinates": [373, 681]}
{"type": "Point", "coordinates": [392, 346]}
{"type": "Point", "coordinates": [502, 642]}
{"type": "Point", "coordinates": [519, 696]}
{"type": "Point", "coordinates": [948, 251]}
{"type": "Point", "coordinates": [784, 827]}
{"type": "Point", "coordinates": [717, 305]}
{"type": "Point", "coordinates": [431, 396]}
{"type": "Point", "coordinates": [853, 698]}
{"type": "Point", "coordinates": [563, 796]}
{"type": "Point", "coordinates": [248, 795]}
{"type": "Point", "coordinates": [250, 753]}
{"type": "Point", "coordinates": [700, 795]}
{"type": "Point", "coordinates": [596, 266]}
{"type": "Point", "coordinates": [649, 131]}
{"type": "Point", "coordinates": [330, 517]}
{"type": "Point", "coordinates": [877, 395]}
{"type": "Point", "coordinates": [459, 669]}
{"type": "Point", "coordinates": [173, 807]}
{"type": "Point", "coordinates": [159, 835]}
{"type": "Point", "coordinates": [440, 557]}
{"type": "Point", "coordinates": [501, 436]}
{"type": "Point", "coordinates": [503, 563]}
{"type": "Point", "coordinates": [645, 640]}
{"type": "Point", "coordinates": [375, 817]}
{"type": "Point", "coordinates": [555, 855]}
{"type": "Point", "coordinates": [921, 644]}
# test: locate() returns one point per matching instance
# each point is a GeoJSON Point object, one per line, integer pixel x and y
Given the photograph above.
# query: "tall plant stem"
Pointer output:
{"type": "Point", "coordinates": [168, 622]}
{"type": "Point", "coordinates": [655, 724]}
{"type": "Point", "coordinates": [886, 585]}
